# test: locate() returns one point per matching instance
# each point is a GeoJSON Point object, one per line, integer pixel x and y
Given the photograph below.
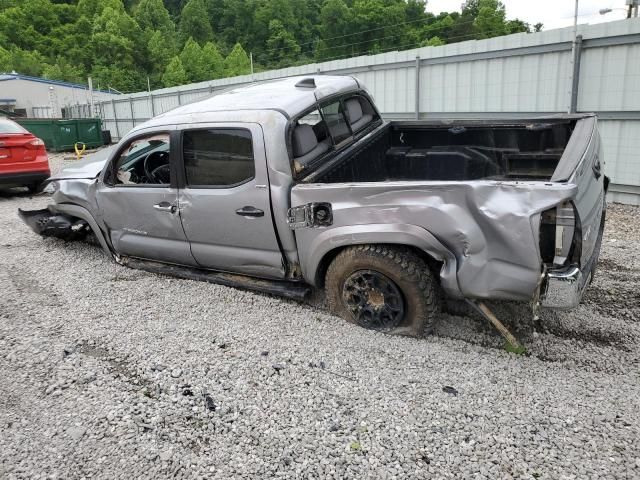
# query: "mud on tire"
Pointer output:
{"type": "Point", "coordinates": [383, 287]}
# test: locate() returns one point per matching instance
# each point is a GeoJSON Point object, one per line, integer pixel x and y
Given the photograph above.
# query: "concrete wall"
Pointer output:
{"type": "Point", "coordinates": [510, 76]}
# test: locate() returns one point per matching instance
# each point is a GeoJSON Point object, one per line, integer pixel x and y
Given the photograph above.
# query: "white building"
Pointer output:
{"type": "Point", "coordinates": [41, 98]}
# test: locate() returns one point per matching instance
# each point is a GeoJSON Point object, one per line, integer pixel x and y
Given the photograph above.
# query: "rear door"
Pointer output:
{"type": "Point", "coordinates": [224, 199]}
{"type": "Point", "coordinates": [138, 200]}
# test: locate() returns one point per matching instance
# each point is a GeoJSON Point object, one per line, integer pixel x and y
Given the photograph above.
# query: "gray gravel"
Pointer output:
{"type": "Point", "coordinates": [107, 372]}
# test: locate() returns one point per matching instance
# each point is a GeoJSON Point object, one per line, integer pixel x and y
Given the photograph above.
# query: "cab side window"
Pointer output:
{"type": "Point", "coordinates": [220, 157]}
{"type": "Point", "coordinates": [144, 161]}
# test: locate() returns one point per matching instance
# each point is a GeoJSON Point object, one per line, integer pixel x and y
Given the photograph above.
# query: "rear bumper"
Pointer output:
{"type": "Point", "coordinates": [23, 178]}
{"type": "Point", "coordinates": [564, 287]}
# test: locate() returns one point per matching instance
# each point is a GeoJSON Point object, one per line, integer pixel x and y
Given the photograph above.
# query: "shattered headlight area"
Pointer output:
{"type": "Point", "coordinates": [51, 187]}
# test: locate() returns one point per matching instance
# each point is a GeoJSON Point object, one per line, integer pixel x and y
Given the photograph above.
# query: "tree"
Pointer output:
{"type": "Point", "coordinates": [5, 60]}
{"type": "Point", "coordinates": [152, 15]}
{"type": "Point", "coordinates": [490, 21]}
{"type": "Point", "coordinates": [193, 61]}
{"type": "Point", "coordinates": [335, 21]}
{"type": "Point", "coordinates": [213, 60]}
{"type": "Point", "coordinates": [237, 62]}
{"type": "Point", "coordinates": [194, 22]}
{"type": "Point", "coordinates": [29, 24]}
{"type": "Point", "coordinates": [117, 57]}
{"type": "Point", "coordinates": [160, 52]}
{"type": "Point", "coordinates": [27, 62]}
{"type": "Point", "coordinates": [126, 41]}
{"type": "Point", "coordinates": [174, 74]}
{"type": "Point", "coordinates": [432, 42]}
{"type": "Point", "coordinates": [282, 48]}
{"type": "Point", "coordinates": [63, 70]}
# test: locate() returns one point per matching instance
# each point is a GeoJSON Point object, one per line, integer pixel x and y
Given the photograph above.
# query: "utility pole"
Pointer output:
{"type": "Point", "coordinates": [251, 60]}
{"type": "Point", "coordinates": [90, 81]}
{"type": "Point", "coordinates": [574, 55]}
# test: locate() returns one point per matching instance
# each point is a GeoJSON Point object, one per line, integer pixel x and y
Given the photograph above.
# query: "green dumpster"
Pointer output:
{"type": "Point", "coordinates": [62, 134]}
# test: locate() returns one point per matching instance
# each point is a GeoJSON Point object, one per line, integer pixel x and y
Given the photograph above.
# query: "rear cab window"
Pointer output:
{"type": "Point", "coordinates": [331, 126]}
{"type": "Point", "coordinates": [218, 157]}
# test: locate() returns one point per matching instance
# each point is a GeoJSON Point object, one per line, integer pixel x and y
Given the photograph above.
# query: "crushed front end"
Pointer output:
{"type": "Point", "coordinates": [51, 224]}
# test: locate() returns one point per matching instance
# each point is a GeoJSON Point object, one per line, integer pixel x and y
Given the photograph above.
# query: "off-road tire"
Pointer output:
{"type": "Point", "coordinates": [407, 270]}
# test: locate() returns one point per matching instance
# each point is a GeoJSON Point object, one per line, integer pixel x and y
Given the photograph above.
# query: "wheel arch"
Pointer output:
{"type": "Point", "coordinates": [84, 214]}
{"type": "Point", "coordinates": [328, 244]}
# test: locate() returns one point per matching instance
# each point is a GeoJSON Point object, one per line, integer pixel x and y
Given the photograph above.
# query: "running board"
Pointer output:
{"type": "Point", "coordinates": [282, 288]}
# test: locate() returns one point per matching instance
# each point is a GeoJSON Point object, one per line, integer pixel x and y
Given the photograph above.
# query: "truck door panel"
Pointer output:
{"type": "Point", "coordinates": [141, 213]}
{"type": "Point", "coordinates": [225, 206]}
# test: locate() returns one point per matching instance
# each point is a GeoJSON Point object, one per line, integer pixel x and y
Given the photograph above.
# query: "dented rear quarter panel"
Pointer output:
{"type": "Point", "coordinates": [487, 230]}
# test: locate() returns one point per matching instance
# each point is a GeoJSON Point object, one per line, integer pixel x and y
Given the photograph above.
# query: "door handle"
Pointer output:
{"type": "Point", "coordinates": [249, 211]}
{"type": "Point", "coordinates": [165, 207]}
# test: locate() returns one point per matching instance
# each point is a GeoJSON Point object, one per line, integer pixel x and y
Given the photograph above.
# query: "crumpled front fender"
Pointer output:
{"type": "Point", "coordinates": [50, 224]}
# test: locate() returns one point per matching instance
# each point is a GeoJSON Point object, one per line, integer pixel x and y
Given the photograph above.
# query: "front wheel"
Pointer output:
{"type": "Point", "coordinates": [383, 287]}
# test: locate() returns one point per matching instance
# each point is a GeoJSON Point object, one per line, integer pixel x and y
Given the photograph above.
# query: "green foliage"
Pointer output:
{"type": "Point", "coordinates": [237, 62]}
{"type": "Point", "coordinates": [160, 52]}
{"type": "Point", "coordinates": [194, 22]}
{"type": "Point", "coordinates": [193, 61]}
{"type": "Point", "coordinates": [432, 42]}
{"type": "Point", "coordinates": [63, 70]}
{"type": "Point", "coordinates": [5, 60]}
{"type": "Point", "coordinates": [175, 73]}
{"type": "Point", "coordinates": [213, 61]}
{"type": "Point", "coordinates": [26, 62]}
{"type": "Point", "coordinates": [490, 21]}
{"type": "Point", "coordinates": [281, 45]}
{"type": "Point", "coordinates": [122, 42]}
{"type": "Point", "coordinates": [152, 15]}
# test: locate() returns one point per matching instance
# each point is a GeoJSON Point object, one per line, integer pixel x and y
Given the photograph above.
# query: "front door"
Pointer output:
{"type": "Point", "coordinates": [138, 201]}
{"type": "Point", "coordinates": [225, 205]}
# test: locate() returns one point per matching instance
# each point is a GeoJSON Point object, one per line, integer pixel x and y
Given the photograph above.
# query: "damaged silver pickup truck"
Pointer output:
{"type": "Point", "coordinates": [297, 183]}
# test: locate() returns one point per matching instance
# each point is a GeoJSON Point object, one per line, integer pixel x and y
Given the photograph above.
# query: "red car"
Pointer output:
{"type": "Point", "coordinates": [23, 157]}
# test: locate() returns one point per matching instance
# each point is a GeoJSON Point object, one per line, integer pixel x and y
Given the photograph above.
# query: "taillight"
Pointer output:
{"type": "Point", "coordinates": [36, 142]}
{"type": "Point", "coordinates": [557, 233]}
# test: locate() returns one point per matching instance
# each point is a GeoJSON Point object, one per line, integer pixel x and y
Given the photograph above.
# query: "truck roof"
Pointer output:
{"type": "Point", "coordinates": [289, 96]}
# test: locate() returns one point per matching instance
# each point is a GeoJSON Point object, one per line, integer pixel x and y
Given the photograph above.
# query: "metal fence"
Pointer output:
{"type": "Point", "coordinates": [511, 76]}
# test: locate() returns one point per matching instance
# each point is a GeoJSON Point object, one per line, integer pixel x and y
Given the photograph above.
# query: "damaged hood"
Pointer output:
{"type": "Point", "coordinates": [89, 167]}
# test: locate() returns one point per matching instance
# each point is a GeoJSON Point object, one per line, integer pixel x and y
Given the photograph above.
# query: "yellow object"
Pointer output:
{"type": "Point", "coordinates": [79, 151]}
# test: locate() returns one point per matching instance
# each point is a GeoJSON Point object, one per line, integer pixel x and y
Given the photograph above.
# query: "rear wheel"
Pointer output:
{"type": "Point", "coordinates": [384, 288]}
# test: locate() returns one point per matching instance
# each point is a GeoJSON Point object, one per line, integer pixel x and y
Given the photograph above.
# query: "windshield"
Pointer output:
{"type": "Point", "coordinates": [7, 126]}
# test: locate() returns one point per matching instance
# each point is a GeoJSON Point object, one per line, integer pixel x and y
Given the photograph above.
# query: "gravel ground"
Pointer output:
{"type": "Point", "coordinates": [107, 372]}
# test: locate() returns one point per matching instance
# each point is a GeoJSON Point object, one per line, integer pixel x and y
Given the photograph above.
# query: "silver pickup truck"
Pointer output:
{"type": "Point", "coordinates": [299, 182]}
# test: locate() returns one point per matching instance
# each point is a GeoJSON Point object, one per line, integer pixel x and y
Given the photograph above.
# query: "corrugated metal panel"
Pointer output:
{"type": "Point", "coordinates": [621, 145]}
{"type": "Point", "coordinates": [610, 79]}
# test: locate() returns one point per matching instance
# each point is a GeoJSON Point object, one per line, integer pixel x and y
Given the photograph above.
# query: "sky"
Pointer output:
{"type": "Point", "coordinates": [552, 13]}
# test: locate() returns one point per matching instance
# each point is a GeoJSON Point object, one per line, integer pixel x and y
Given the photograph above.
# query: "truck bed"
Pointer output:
{"type": "Point", "coordinates": [525, 150]}
{"type": "Point", "coordinates": [479, 195]}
